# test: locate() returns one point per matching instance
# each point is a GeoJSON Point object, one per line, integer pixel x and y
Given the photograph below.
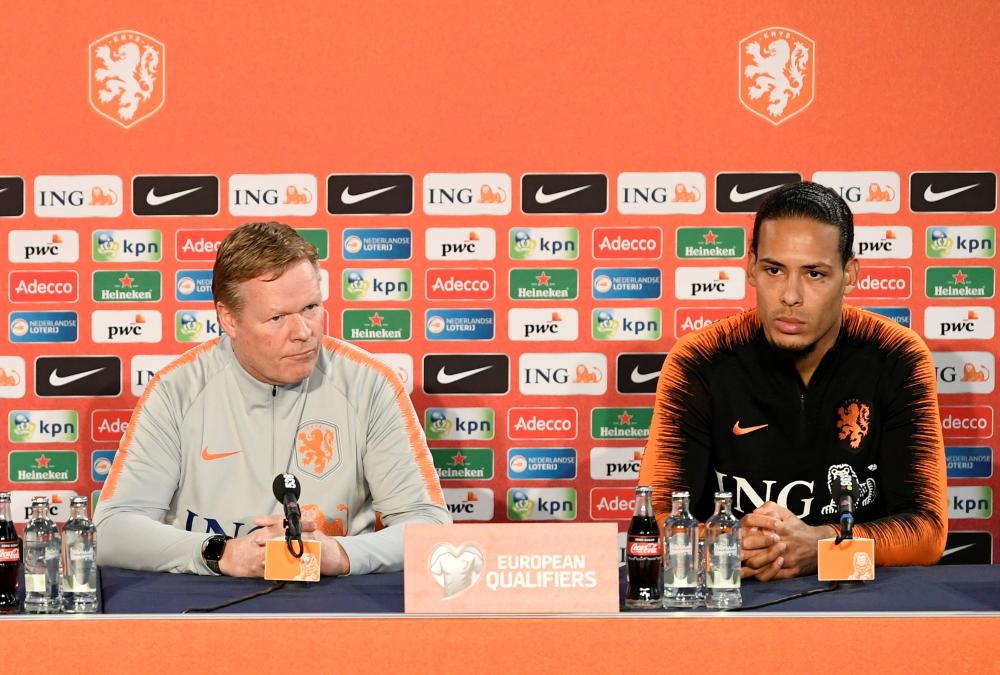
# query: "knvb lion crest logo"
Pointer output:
{"type": "Point", "coordinates": [317, 450]}
{"type": "Point", "coordinates": [127, 76]}
{"type": "Point", "coordinates": [852, 422]}
{"type": "Point", "coordinates": [777, 68]}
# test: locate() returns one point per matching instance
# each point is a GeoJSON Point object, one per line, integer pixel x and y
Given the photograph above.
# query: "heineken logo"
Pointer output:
{"type": "Point", "coordinates": [27, 466]}
{"type": "Point", "coordinates": [127, 286]}
{"type": "Point", "coordinates": [610, 423]}
{"type": "Point", "coordinates": [960, 282]}
{"type": "Point", "coordinates": [376, 324]}
{"type": "Point", "coordinates": [463, 463]}
{"type": "Point", "coordinates": [543, 284]}
{"type": "Point", "coordinates": [710, 242]}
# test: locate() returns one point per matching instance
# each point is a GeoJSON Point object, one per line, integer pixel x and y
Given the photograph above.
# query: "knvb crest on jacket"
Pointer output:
{"type": "Point", "coordinates": [127, 71]}
{"type": "Point", "coordinates": [777, 70]}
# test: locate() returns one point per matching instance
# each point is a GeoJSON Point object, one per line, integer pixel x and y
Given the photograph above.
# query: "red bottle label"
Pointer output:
{"type": "Point", "coordinates": [644, 547]}
{"type": "Point", "coordinates": [9, 552]}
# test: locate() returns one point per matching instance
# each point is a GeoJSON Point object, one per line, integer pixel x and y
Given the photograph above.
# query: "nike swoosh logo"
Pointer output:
{"type": "Point", "coordinates": [949, 551]}
{"type": "Point", "coordinates": [738, 197]}
{"type": "Point", "coordinates": [349, 199]}
{"type": "Point", "coordinates": [445, 378]}
{"type": "Point", "coordinates": [3, 189]}
{"type": "Point", "coordinates": [542, 197]}
{"type": "Point", "coordinates": [57, 380]}
{"type": "Point", "coordinates": [740, 431]}
{"type": "Point", "coordinates": [209, 456]}
{"type": "Point", "coordinates": [931, 196]}
{"type": "Point", "coordinates": [154, 199]}
{"type": "Point", "coordinates": [639, 378]}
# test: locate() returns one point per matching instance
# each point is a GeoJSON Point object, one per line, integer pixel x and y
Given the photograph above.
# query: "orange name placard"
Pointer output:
{"type": "Point", "coordinates": [850, 560]}
{"type": "Point", "coordinates": [511, 568]}
{"type": "Point", "coordinates": [280, 565]}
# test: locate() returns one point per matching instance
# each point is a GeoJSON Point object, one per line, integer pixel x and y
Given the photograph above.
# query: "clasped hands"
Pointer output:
{"type": "Point", "coordinates": [777, 544]}
{"type": "Point", "coordinates": [244, 556]}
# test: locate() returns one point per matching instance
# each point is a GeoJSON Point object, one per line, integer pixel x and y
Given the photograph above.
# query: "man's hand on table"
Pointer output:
{"type": "Point", "coordinates": [778, 545]}
{"type": "Point", "coordinates": [244, 556]}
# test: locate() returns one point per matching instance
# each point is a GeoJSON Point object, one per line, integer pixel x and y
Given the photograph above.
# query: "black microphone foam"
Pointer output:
{"type": "Point", "coordinates": [286, 485]}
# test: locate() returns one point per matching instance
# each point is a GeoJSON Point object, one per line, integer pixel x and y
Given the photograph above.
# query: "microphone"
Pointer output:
{"type": "Point", "coordinates": [287, 489]}
{"type": "Point", "coordinates": [843, 491]}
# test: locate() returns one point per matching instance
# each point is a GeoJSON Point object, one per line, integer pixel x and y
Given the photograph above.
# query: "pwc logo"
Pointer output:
{"type": "Point", "coordinates": [744, 192]}
{"type": "Point", "coordinates": [460, 283]}
{"type": "Point", "coordinates": [883, 283]}
{"type": "Point", "coordinates": [953, 192]}
{"type": "Point", "coordinates": [959, 323]}
{"type": "Point", "coordinates": [112, 326]}
{"type": "Point", "coordinates": [43, 286]}
{"type": "Point", "coordinates": [777, 71]}
{"type": "Point", "coordinates": [864, 191]}
{"type": "Point", "coordinates": [78, 196]}
{"type": "Point", "coordinates": [11, 196]}
{"type": "Point", "coordinates": [548, 424]}
{"type": "Point", "coordinates": [460, 243]}
{"type": "Point", "coordinates": [564, 193]}
{"type": "Point", "coordinates": [615, 463]}
{"type": "Point", "coordinates": [469, 503]}
{"type": "Point", "coordinates": [467, 194]}
{"type": "Point", "coordinates": [690, 319]}
{"type": "Point", "coordinates": [369, 194]}
{"type": "Point", "coordinates": [540, 325]}
{"type": "Point", "coordinates": [43, 246]}
{"type": "Point", "coordinates": [562, 374]}
{"type": "Point", "coordinates": [627, 243]}
{"type": "Point", "coordinates": [964, 372]}
{"type": "Point", "coordinates": [966, 421]}
{"type": "Point", "coordinates": [710, 283]}
{"type": "Point", "coordinates": [198, 245]}
{"type": "Point", "coordinates": [127, 80]}
{"type": "Point", "coordinates": [661, 193]}
{"type": "Point", "coordinates": [12, 377]}
{"type": "Point", "coordinates": [175, 195]}
{"type": "Point", "coordinates": [277, 194]}
{"type": "Point", "coordinates": [894, 242]}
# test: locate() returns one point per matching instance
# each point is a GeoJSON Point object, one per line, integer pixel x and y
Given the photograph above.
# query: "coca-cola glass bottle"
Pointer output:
{"type": "Point", "coordinates": [10, 558]}
{"type": "Point", "coordinates": [643, 554]}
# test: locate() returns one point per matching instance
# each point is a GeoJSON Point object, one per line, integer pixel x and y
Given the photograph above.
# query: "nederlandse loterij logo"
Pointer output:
{"type": "Point", "coordinates": [777, 70]}
{"type": "Point", "coordinates": [127, 76]}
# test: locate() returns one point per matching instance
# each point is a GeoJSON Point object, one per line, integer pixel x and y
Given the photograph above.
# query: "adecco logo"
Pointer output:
{"type": "Point", "coordinates": [556, 424]}
{"type": "Point", "coordinates": [888, 283]}
{"type": "Point", "coordinates": [198, 245]}
{"type": "Point", "coordinates": [967, 421]}
{"type": "Point", "coordinates": [460, 283]}
{"type": "Point", "coordinates": [690, 319]}
{"type": "Point", "coordinates": [612, 503]}
{"type": "Point", "coordinates": [625, 243]}
{"type": "Point", "coordinates": [43, 286]}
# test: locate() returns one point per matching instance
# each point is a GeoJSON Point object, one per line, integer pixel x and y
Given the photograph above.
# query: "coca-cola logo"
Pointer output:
{"type": "Point", "coordinates": [9, 552]}
{"type": "Point", "coordinates": [644, 549]}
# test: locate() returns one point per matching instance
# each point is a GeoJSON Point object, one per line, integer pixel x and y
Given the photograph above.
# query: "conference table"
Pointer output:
{"type": "Point", "coordinates": [918, 619]}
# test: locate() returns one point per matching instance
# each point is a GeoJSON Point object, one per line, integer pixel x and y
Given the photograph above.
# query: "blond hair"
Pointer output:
{"type": "Point", "coordinates": [253, 250]}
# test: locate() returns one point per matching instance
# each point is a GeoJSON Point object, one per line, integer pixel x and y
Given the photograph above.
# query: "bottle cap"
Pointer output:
{"type": "Point", "coordinates": [39, 501]}
{"type": "Point", "coordinates": [78, 501]}
{"type": "Point", "coordinates": [4, 496]}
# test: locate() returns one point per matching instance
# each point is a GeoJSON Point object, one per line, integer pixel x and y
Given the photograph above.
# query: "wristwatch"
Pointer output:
{"type": "Point", "coordinates": [212, 550]}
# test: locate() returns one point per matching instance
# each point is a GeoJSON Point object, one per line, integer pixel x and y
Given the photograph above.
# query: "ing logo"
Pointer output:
{"type": "Point", "coordinates": [294, 195]}
{"type": "Point", "coordinates": [491, 195]}
{"type": "Point", "coordinates": [127, 76]}
{"type": "Point", "coordinates": [777, 70]}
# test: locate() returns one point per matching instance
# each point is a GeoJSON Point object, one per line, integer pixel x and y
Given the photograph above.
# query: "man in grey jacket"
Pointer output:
{"type": "Point", "coordinates": [190, 489]}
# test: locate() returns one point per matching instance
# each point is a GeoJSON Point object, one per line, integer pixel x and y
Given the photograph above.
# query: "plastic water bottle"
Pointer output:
{"type": "Point", "coordinates": [41, 561]}
{"type": "Point", "coordinates": [79, 560]}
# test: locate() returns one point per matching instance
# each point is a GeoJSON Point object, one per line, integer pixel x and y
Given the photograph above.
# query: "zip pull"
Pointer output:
{"type": "Point", "coordinates": [274, 390]}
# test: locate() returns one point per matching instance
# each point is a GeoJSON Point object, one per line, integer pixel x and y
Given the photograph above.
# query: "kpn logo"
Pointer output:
{"type": "Point", "coordinates": [541, 503]}
{"type": "Point", "coordinates": [459, 424]}
{"type": "Point", "coordinates": [544, 243]}
{"type": "Point", "coordinates": [127, 246]}
{"type": "Point", "coordinates": [196, 325]}
{"type": "Point", "coordinates": [42, 426]}
{"type": "Point", "coordinates": [961, 242]}
{"type": "Point", "coordinates": [373, 285]}
{"type": "Point", "coordinates": [637, 323]}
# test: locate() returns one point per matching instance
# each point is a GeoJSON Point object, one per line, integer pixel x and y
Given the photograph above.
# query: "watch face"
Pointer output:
{"type": "Point", "coordinates": [213, 548]}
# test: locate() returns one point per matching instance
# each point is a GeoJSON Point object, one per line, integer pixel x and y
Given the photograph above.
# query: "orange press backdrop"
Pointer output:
{"type": "Point", "coordinates": [501, 88]}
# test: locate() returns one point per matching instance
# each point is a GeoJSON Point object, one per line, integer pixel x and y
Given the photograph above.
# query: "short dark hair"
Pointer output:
{"type": "Point", "coordinates": [252, 250]}
{"type": "Point", "coordinates": [808, 200]}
